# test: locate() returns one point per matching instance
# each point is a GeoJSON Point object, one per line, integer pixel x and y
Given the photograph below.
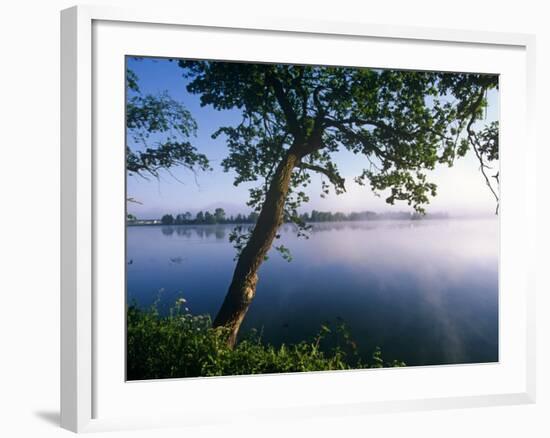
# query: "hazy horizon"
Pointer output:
{"type": "Point", "coordinates": [234, 210]}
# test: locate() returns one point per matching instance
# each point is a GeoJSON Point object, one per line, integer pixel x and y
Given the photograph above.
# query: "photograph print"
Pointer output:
{"type": "Point", "coordinates": [284, 218]}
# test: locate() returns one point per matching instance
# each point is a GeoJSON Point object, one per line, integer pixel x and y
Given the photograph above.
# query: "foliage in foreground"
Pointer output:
{"type": "Point", "coordinates": [185, 345]}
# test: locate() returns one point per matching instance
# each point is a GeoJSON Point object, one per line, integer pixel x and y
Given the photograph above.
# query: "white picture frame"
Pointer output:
{"type": "Point", "coordinates": [92, 394]}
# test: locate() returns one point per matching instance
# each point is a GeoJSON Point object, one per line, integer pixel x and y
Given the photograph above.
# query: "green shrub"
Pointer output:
{"type": "Point", "coordinates": [185, 345]}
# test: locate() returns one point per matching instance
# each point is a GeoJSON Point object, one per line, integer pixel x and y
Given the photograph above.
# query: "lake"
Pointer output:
{"type": "Point", "coordinates": [425, 292]}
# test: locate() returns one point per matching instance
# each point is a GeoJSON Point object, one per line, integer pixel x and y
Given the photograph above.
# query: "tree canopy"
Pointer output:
{"type": "Point", "coordinates": [403, 123]}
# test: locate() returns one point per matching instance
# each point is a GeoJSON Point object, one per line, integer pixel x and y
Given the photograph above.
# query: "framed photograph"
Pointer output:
{"type": "Point", "coordinates": [277, 218]}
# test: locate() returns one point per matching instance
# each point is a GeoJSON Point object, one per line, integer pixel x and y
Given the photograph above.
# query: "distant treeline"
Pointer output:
{"type": "Point", "coordinates": [219, 217]}
{"type": "Point", "coordinates": [207, 218]}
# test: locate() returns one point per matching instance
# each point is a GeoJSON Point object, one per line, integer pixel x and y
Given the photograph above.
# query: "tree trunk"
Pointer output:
{"type": "Point", "coordinates": [243, 285]}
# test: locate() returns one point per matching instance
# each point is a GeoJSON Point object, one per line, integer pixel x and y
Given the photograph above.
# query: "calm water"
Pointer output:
{"type": "Point", "coordinates": [426, 292]}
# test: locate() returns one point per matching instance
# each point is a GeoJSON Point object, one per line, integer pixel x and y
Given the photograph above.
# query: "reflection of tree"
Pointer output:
{"type": "Point", "coordinates": [183, 231]}
{"type": "Point", "coordinates": [220, 233]}
{"type": "Point", "coordinates": [216, 231]}
{"type": "Point", "coordinates": [167, 230]}
{"type": "Point", "coordinates": [198, 231]}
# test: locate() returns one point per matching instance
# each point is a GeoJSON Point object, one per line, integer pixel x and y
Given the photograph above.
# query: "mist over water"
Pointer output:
{"type": "Point", "coordinates": [425, 291]}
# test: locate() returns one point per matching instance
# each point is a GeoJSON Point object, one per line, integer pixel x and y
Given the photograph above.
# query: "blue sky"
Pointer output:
{"type": "Point", "coordinates": [461, 189]}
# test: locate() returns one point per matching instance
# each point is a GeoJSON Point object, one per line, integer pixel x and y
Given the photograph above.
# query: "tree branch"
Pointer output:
{"type": "Point", "coordinates": [368, 146]}
{"type": "Point", "coordinates": [331, 174]}
{"type": "Point", "coordinates": [285, 105]}
{"type": "Point", "coordinates": [474, 141]}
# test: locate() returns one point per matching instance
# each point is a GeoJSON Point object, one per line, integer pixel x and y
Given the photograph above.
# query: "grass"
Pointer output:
{"type": "Point", "coordinates": [184, 345]}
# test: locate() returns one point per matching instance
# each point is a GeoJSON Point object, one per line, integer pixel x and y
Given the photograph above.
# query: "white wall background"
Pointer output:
{"type": "Point", "coordinates": [29, 217]}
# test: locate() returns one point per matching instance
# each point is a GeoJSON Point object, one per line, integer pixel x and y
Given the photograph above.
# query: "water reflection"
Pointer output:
{"type": "Point", "coordinates": [195, 231]}
{"type": "Point", "coordinates": [358, 225]}
{"type": "Point", "coordinates": [167, 230]}
{"type": "Point", "coordinates": [426, 291]}
{"type": "Point", "coordinates": [220, 231]}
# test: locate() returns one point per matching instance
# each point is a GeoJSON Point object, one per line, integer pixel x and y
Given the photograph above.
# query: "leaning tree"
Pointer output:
{"type": "Point", "coordinates": [295, 118]}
